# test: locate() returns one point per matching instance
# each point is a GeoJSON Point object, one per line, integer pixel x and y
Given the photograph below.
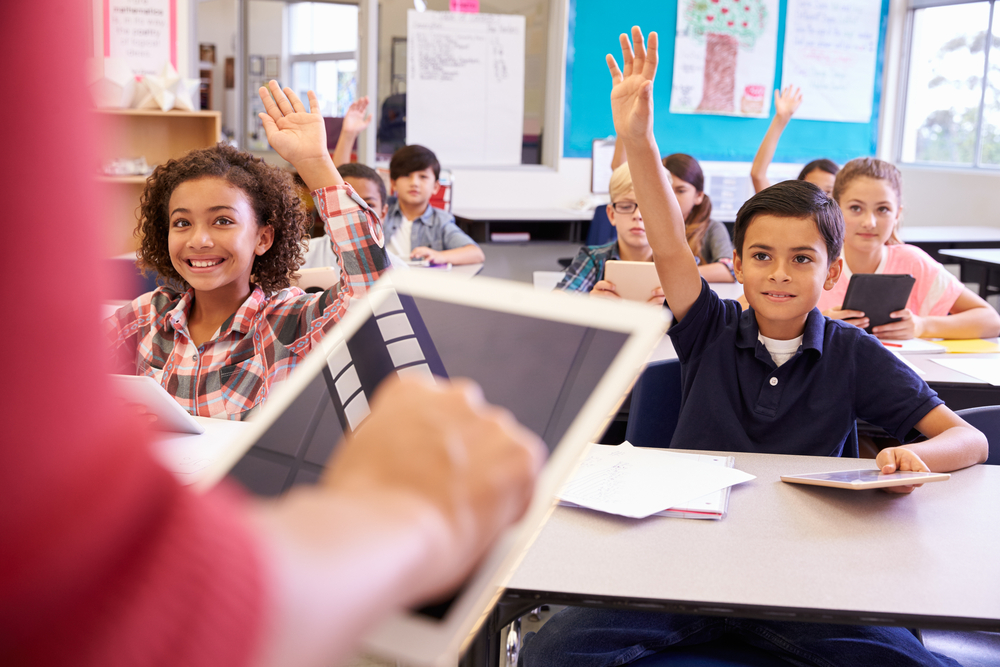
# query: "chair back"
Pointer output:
{"type": "Point", "coordinates": [987, 420]}
{"type": "Point", "coordinates": [656, 405]}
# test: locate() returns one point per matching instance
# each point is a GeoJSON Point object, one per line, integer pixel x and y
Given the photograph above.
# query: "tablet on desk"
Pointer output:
{"type": "Point", "coordinates": [562, 370]}
{"type": "Point", "coordinates": [877, 295]}
{"type": "Point", "coordinates": [634, 281]}
{"type": "Point", "coordinates": [869, 478]}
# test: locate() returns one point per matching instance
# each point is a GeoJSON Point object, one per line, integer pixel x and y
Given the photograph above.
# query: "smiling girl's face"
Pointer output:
{"type": "Point", "coordinates": [214, 236]}
{"type": "Point", "coordinates": [871, 211]}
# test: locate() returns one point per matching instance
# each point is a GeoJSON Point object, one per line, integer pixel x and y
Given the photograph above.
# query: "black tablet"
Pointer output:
{"type": "Point", "coordinates": [877, 295]}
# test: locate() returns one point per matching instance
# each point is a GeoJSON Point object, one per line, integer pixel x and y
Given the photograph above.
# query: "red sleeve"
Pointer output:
{"type": "Point", "coordinates": [106, 560]}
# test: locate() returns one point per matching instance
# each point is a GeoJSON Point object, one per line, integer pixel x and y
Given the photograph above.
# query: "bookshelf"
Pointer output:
{"type": "Point", "coordinates": [156, 135]}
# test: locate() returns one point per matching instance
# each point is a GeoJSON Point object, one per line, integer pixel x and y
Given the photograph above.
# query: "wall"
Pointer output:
{"type": "Point", "coordinates": [217, 25]}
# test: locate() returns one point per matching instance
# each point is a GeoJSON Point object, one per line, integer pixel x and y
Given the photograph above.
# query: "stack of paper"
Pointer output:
{"type": "Point", "coordinates": [983, 369]}
{"type": "Point", "coordinates": [639, 482]}
{"type": "Point", "coordinates": [915, 346]}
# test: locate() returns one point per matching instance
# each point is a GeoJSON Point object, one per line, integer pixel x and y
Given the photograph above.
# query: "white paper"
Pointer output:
{"type": "Point", "coordinates": [465, 86]}
{"type": "Point", "coordinates": [139, 33]}
{"type": "Point", "coordinates": [914, 346]}
{"type": "Point", "coordinates": [724, 57]}
{"type": "Point", "coordinates": [830, 53]}
{"type": "Point", "coordinates": [985, 369]}
{"type": "Point", "coordinates": [638, 482]}
{"type": "Point", "coordinates": [602, 153]}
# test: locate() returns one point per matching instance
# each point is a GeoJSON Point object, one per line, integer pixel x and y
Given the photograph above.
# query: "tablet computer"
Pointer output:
{"type": "Point", "coordinates": [147, 392]}
{"type": "Point", "coordinates": [634, 281]}
{"type": "Point", "coordinates": [560, 363]}
{"type": "Point", "coordinates": [877, 295]}
{"type": "Point", "coordinates": [869, 478]}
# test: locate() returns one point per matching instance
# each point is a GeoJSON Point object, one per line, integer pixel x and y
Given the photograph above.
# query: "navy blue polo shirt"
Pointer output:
{"type": "Point", "coordinates": [736, 399]}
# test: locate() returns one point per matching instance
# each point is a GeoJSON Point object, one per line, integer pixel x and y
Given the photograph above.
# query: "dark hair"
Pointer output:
{"type": "Point", "coordinates": [413, 158]}
{"type": "Point", "coordinates": [829, 166]}
{"type": "Point", "coordinates": [269, 189]}
{"type": "Point", "coordinates": [358, 170]}
{"type": "Point", "coordinates": [794, 199]}
{"type": "Point", "coordinates": [687, 169]}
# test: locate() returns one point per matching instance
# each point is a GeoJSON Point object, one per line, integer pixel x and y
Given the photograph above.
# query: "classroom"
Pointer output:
{"type": "Point", "coordinates": [504, 332]}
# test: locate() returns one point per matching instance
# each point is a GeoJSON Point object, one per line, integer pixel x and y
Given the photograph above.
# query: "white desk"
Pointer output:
{"type": "Point", "coordinates": [524, 216]}
{"type": "Point", "coordinates": [986, 260]}
{"type": "Point", "coordinates": [788, 551]}
{"type": "Point", "coordinates": [945, 234]}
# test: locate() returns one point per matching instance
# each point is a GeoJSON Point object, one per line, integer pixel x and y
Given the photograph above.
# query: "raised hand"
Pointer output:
{"type": "Point", "coordinates": [632, 89]}
{"type": "Point", "coordinates": [356, 120]}
{"type": "Point", "coordinates": [787, 101]}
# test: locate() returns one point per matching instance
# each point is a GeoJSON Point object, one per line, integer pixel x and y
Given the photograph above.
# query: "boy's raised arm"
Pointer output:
{"type": "Point", "coordinates": [632, 109]}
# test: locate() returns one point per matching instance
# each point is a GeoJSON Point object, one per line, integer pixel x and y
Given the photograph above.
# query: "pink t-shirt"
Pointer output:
{"type": "Point", "coordinates": [934, 292]}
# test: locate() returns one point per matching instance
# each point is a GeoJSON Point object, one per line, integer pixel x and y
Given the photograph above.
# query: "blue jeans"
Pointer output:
{"type": "Point", "coordinates": [582, 637]}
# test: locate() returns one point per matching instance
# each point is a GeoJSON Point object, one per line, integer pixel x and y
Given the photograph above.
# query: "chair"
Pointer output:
{"type": "Point", "coordinates": [656, 405]}
{"type": "Point", "coordinates": [987, 420]}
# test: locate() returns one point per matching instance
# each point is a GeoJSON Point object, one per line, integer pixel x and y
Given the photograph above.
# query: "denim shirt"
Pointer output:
{"type": "Point", "coordinates": [435, 229]}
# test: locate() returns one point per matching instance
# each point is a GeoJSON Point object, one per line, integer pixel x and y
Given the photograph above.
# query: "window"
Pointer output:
{"type": "Point", "coordinates": [322, 45]}
{"type": "Point", "coordinates": [952, 104]}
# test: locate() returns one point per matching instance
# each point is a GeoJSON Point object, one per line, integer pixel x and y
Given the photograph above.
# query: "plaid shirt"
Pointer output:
{"type": "Point", "coordinates": [230, 375]}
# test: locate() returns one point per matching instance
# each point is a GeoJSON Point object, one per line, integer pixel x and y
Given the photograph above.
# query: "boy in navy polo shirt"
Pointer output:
{"type": "Point", "coordinates": [777, 378]}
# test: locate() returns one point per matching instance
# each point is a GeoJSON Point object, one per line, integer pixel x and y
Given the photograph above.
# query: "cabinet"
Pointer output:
{"type": "Point", "coordinates": [156, 135]}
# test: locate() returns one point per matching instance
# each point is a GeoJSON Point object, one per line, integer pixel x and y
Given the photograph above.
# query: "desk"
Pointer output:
{"type": "Point", "coordinates": [525, 220]}
{"type": "Point", "coordinates": [934, 239]}
{"type": "Point", "coordinates": [784, 551]}
{"type": "Point", "coordinates": [986, 260]}
{"type": "Point", "coordinates": [957, 390]}
{"type": "Point", "coordinates": [188, 456]}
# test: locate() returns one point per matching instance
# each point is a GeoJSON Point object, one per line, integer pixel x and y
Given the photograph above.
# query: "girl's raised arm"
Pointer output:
{"type": "Point", "coordinates": [785, 103]}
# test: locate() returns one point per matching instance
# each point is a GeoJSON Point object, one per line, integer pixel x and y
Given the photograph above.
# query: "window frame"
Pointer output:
{"type": "Point", "coordinates": [904, 84]}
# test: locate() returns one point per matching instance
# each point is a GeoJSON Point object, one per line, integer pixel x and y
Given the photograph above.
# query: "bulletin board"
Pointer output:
{"type": "Point", "coordinates": [594, 27]}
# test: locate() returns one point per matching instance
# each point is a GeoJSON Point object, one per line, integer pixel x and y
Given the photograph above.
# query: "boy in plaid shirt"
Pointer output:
{"type": "Point", "coordinates": [228, 229]}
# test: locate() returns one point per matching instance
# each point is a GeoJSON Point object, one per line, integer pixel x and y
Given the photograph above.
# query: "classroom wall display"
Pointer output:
{"type": "Point", "coordinates": [724, 57]}
{"type": "Point", "coordinates": [465, 86]}
{"type": "Point", "coordinates": [831, 50]}
{"type": "Point", "coordinates": [593, 32]}
{"type": "Point", "coordinates": [141, 32]}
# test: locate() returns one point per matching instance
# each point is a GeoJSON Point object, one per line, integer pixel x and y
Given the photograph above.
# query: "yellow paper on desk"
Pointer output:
{"type": "Point", "coordinates": [968, 346]}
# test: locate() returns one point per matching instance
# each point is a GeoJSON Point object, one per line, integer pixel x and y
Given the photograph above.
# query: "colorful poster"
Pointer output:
{"type": "Point", "coordinates": [830, 53]}
{"type": "Point", "coordinates": [142, 32]}
{"type": "Point", "coordinates": [724, 57]}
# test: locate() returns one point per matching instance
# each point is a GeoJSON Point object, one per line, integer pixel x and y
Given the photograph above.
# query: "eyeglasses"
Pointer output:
{"type": "Point", "coordinates": [624, 206]}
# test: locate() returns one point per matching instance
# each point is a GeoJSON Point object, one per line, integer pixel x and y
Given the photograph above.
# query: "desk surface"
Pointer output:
{"type": "Point", "coordinates": [929, 559]}
{"type": "Point", "coordinates": [525, 214]}
{"type": "Point", "coordinates": [948, 234]}
{"type": "Point", "coordinates": [984, 255]}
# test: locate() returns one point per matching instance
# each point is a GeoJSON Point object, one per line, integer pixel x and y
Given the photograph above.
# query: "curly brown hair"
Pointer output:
{"type": "Point", "coordinates": [270, 191]}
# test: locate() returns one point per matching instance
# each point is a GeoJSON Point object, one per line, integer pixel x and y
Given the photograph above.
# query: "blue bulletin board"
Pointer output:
{"type": "Point", "coordinates": [594, 26]}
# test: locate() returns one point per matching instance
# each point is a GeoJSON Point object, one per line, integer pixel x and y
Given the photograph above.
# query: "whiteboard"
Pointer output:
{"type": "Point", "coordinates": [830, 53]}
{"type": "Point", "coordinates": [465, 86]}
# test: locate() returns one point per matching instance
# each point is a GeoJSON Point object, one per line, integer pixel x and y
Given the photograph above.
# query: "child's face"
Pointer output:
{"type": "Point", "coordinates": [631, 231]}
{"type": "Point", "coordinates": [784, 270]}
{"type": "Point", "coordinates": [416, 188]}
{"type": "Point", "coordinates": [821, 179]}
{"type": "Point", "coordinates": [687, 196]}
{"type": "Point", "coordinates": [871, 211]}
{"type": "Point", "coordinates": [214, 236]}
{"type": "Point", "coordinates": [369, 191]}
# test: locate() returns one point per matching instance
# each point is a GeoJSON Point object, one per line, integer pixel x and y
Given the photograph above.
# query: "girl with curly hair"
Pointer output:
{"type": "Point", "coordinates": [226, 232]}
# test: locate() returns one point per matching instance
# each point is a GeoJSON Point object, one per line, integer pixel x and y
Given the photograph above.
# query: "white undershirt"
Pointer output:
{"type": "Point", "coordinates": [399, 244]}
{"type": "Point", "coordinates": [780, 350]}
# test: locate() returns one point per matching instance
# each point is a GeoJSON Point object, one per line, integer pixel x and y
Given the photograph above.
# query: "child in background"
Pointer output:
{"type": "Point", "coordinates": [586, 273]}
{"type": "Point", "coordinates": [708, 239]}
{"type": "Point", "coordinates": [778, 378]}
{"type": "Point", "coordinates": [370, 187]}
{"type": "Point", "coordinates": [229, 228]}
{"type": "Point", "coordinates": [869, 193]}
{"type": "Point", "coordinates": [355, 121]}
{"type": "Point", "coordinates": [818, 172]}
{"type": "Point", "coordinates": [413, 228]}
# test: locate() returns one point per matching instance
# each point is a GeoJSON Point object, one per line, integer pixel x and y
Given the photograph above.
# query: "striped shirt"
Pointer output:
{"type": "Point", "coordinates": [230, 375]}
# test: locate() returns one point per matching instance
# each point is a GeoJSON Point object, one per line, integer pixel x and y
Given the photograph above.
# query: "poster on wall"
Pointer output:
{"type": "Point", "coordinates": [465, 86]}
{"type": "Point", "coordinates": [724, 57]}
{"type": "Point", "coordinates": [142, 32]}
{"type": "Point", "coordinates": [830, 53]}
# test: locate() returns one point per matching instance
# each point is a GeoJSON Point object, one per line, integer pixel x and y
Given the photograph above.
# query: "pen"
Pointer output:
{"type": "Point", "coordinates": [891, 344]}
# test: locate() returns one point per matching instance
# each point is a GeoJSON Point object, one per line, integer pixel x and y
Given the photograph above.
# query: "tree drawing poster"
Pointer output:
{"type": "Point", "coordinates": [724, 57]}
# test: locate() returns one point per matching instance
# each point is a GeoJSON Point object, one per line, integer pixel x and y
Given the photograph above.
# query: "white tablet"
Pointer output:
{"type": "Point", "coordinates": [561, 363]}
{"type": "Point", "coordinates": [147, 392]}
{"type": "Point", "coordinates": [634, 281]}
{"type": "Point", "coordinates": [869, 478]}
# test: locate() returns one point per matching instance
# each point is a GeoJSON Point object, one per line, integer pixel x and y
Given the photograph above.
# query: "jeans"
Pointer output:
{"type": "Point", "coordinates": [582, 637]}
